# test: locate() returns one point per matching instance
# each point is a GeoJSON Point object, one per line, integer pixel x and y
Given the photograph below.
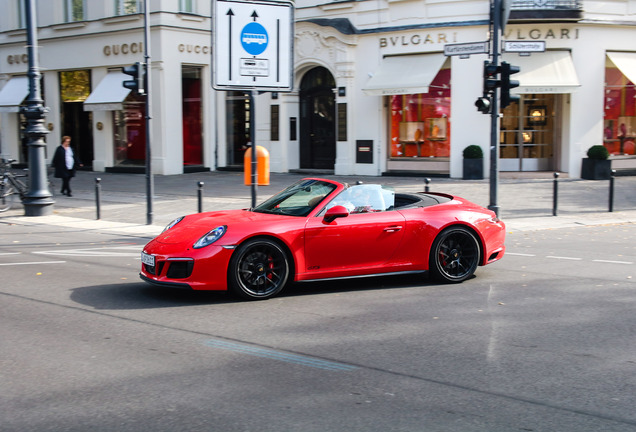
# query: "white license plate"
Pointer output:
{"type": "Point", "coordinates": [148, 259]}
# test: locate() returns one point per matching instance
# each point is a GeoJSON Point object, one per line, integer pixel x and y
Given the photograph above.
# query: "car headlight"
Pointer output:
{"type": "Point", "coordinates": [173, 223]}
{"type": "Point", "coordinates": [210, 237]}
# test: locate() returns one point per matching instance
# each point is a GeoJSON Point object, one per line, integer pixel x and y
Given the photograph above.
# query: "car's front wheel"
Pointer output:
{"type": "Point", "coordinates": [454, 255]}
{"type": "Point", "coordinates": [259, 269]}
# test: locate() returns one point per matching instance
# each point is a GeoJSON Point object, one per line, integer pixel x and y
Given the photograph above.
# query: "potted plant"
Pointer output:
{"type": "Point", "coordinates": [596, 166]}
{"type": "Point", "coordinates": [473, 163]}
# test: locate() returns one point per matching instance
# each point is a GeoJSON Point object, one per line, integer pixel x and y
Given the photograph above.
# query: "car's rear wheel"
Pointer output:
{"type": "Point", "coordinates": [259, 269]}
{"type": "Point", "coordinates": [454, 255]}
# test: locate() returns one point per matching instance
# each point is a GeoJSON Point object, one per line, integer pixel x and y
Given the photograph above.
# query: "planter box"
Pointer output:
{"type": "Point", "coordinates": [473, 169]}
{"type": "Point", "coordinates": [595, 169]}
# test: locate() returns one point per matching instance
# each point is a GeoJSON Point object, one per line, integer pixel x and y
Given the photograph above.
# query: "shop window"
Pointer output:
{"type": "Point", "coordinates": [74, 10]}
{"type": "Point", "coordinates": [420, 125]}
{"type": "Point", "coordinates": [75, 86]}
{"type": "Point", "coordinates": [130, 132]}
{"type": "Point", "coordinates": [619, 133]}
{"type": "Point", "coordinates": [191, 87]}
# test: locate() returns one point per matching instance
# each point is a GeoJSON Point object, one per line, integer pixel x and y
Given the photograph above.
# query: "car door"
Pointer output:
{"type": "Point", "coordinates": [348, 244]}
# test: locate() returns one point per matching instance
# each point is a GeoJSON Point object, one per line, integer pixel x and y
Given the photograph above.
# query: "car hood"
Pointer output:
{"type": "Point", "coordinates": [194, 226]}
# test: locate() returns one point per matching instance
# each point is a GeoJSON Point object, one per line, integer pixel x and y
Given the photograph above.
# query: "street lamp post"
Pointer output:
{"type": "Point", "coordinates": [38, 200]}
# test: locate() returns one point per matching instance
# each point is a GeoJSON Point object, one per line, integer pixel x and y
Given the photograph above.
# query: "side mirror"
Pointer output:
{"type": "Point", "coordinates": [335, 212]}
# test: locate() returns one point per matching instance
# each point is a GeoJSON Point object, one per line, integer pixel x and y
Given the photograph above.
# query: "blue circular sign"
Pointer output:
{"type": "Point", "coordinates": [254, 38]}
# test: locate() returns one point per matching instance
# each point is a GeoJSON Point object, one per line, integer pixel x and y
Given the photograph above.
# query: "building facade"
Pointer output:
{"type": "Point", "coordinates": [373, 92]}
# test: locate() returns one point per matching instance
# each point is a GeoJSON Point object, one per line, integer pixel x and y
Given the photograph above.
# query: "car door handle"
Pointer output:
{"type": "Point", "coordinates": [392, 229]}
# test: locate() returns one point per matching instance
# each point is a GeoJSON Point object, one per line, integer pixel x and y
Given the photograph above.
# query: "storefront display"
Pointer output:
{"type": "Point", "coordinates": [420, 122]}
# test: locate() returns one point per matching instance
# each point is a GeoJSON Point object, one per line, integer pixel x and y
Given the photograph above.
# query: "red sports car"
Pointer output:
{"type": "Point", "coordinates": [323, 229]}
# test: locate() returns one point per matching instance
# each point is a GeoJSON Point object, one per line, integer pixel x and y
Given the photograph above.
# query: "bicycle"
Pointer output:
{"type": "Point", "coordinates": [10, 185]}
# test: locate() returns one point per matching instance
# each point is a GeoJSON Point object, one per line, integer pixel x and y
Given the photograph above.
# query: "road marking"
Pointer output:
{"type": "Point", "coordinates": [613, 262]}
{"type": "Point", "coordinates": [520, 254]}
{"type": "Point", "coordinates": [10, 253]}
{"type": "Point", "coordinates": [117, 251]}
{"type": "Point", "coordinates": [280, 355]}
{"type": "Point", "coordinates": [564, 258]}
{"type": "Point", "coordinates": [31, 263]}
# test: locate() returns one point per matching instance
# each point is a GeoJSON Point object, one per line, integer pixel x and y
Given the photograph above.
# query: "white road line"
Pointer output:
{"type": "Point", "coordinates": [564, 258]}
{"type": "Point", "coordinates": [31, 263]}
{"type": "Point", "coordinates": [520, 254]}
{"type": "Point", "coordinates": [10, 253]}
{"type": "Point", "coordinates": [613, 262]}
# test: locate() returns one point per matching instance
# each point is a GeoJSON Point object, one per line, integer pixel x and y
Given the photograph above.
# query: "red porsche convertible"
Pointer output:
{"type": "Point", "coordinates": [323, 229]}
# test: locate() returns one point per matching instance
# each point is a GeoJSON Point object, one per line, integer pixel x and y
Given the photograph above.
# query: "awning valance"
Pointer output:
{"type": "Point", "coordinates": [13, 94]}
{"type": "Point", "coordinates": [408, 74]}
{"type": "Point", "coordinates": [544, 72]}
{"type": "Point", "coordinates": [109, 94]}
{"type": "Point", "coordinates": [625, 62]}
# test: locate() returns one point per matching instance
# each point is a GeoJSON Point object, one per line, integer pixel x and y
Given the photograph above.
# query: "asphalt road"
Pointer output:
{"type": "Point", "coordinates": [543, 340]}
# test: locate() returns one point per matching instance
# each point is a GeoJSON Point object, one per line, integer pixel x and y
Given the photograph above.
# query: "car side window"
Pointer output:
{"type": "Point", "coordinates": [365, 199]}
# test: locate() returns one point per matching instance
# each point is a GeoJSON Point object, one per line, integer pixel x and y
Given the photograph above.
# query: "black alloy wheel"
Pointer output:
{"type": "Point", "coordinates": [259, 269]}
{"type": "Point", "coordinates": [454, 255]}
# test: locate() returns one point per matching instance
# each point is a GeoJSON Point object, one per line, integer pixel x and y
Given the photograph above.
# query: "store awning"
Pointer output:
{"type": "Point", "coordinates": [625, 62]}
{"type": "Point", "coordinates": [13, 94]}
{"type": "Point", "coordinates": [544, 72]}
{"type": "Point", "coordinates": [409, 74]}
{"type": "Point", "coordinates": [109, 94]}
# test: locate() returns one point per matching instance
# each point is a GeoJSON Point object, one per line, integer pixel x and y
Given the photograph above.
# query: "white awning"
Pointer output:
{"type": "Point", "coordinates": [13, 94]}
{"type": "Point", "coordinates": [109, 94]}
{"type": "Point", "coordinates": [544, 72]}
{"type": "Point", "coordinates": [408, 74]}
{"type": "Point", "coordinates": [625, 62]}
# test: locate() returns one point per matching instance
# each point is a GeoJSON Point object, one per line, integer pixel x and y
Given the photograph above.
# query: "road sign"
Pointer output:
{"type": "Point", "coordinates": [464, 49]}
{"type": "Point", "coordinates": [524, 46]}
{"type": "Point", "coordinates": [253, 45]}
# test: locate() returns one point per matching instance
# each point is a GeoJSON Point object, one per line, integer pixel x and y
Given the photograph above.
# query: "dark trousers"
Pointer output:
{"type": "Point", "coordinates": [66, 184]}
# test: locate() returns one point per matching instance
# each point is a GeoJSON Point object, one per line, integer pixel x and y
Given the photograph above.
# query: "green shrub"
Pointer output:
{"type": "Point", "coordinates": [473, 152]}
{"type": "Point", "coordinates": [597, 152]}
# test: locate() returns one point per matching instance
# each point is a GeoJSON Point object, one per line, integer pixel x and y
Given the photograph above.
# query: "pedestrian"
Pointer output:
{"type": "Point", "coordinates": [64, 162]}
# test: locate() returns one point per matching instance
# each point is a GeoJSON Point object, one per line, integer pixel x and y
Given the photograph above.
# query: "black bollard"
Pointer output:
{"type": "Point", "coordinates": [427, 181]}
{"type": "Point", "coordinates": [200, 196]}
{"type": "Point", "coordinates": [555, 194]}
{"type": "Point", "coordinates": [98, 197]}
{"type": "Point", "coordinates": [611, 191]}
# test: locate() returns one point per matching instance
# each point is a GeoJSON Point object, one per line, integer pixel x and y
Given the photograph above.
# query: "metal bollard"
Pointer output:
{"type": "Point", "coordinates": [427, 181]}
{"type": "Point", "coordinates": [555, 194]}
{"type": "Point", "coordinates": [611, 191]}
{"type": "Point", "coordinates": [200, 196]}
{"type": "Point", "coordinates": [98, 197]}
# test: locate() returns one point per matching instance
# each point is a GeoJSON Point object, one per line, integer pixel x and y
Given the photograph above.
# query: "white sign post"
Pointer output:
{"type": "Point", "coordinates": [252, 45]}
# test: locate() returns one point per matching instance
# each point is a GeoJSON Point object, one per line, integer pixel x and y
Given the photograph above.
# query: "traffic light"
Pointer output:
{"type": "Point", "coordinates": [483, 104]}
{"type": "Point", "coordinates": [138, 72]}
{"type": "Point", "coordinates": [491, 82]}
{"type": "Point", "coordinates": [506, 83]}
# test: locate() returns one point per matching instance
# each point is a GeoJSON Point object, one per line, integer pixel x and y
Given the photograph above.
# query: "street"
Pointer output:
{"type": "Point", "coordinates": [543, 340]}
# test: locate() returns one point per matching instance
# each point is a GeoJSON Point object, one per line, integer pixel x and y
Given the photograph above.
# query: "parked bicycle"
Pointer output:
{"type": "Point", "coordinates": [10, 185]}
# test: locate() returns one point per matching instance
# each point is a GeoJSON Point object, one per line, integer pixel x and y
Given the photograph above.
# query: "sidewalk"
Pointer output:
{"type": "Point", "coordinates": [525, 203]}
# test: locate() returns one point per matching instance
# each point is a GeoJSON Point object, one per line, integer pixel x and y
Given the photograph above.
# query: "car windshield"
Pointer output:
{"type": "Point", "coordinates": [365, 198]}
{"type": "Point", "coordinates": [297, 200]}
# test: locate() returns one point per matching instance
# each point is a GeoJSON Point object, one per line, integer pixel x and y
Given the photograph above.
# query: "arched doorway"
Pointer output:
{"type": "Point", "coordinates": [317, 120]}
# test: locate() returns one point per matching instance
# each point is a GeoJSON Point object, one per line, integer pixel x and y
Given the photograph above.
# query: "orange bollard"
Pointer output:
{"type": "Point", "coordinates": [262, 166]}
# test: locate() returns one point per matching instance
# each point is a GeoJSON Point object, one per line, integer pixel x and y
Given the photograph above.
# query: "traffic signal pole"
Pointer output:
{"type": "Point", "coordinates": [495, 21]}
{"type": "Point", "coordinates": [150, 187]}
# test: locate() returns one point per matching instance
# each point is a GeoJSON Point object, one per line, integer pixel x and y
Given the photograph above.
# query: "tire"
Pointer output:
{"type": "Point", "coordinates": [7, 196]}
{"type": "Point", "coordinates": [454, 255]}
{"type": "Point", "coordinates": [259, 269]}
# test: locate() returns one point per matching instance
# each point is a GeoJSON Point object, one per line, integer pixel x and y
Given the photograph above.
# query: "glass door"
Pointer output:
{"type": "Point", "coordinates": [527, 134]}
